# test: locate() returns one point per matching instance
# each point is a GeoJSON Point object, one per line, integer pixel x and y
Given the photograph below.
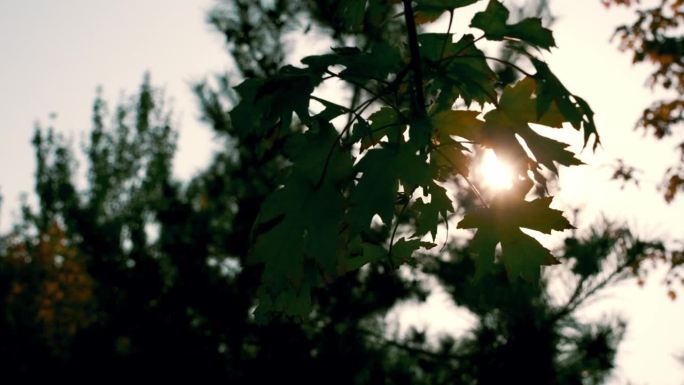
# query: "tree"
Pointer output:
{"type": "Point", "coordinates": [655, 37]}
{"type": "Point", "coordinates": [165, 288]}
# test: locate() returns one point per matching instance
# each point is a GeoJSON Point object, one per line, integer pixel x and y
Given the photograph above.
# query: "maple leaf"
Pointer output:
{"type": "Point", "coordinates": [299, 224]}
{"type": "Point", "coordinates": [448, 154]}
{"type": "Point", "coordinates": [381, 60]}
{"type": "Point", "coordinates": [457, 69]}
{"type": "Point", "coordinates": [384, 122]}
{"type": "Point", "coordinates": [430, 214]}
{"type": "Point", "coordinates": [573, 108]}
{"type": "Point", "coordinates": [517, 108]}
{"type": "Point", "coordinates": [317, 224]}
{"type": "Point", "coordinates": [493, 22]}
{"type": "Point", "coordinates": [521, 254]}
{"type": "Point", "coordinates": [382, 169]}
{"type": "Point", "coordinates": [403, 249]}
{"type": "Point", "coordinates": [265, 103]}
{"type": "Point", "coordinates": [461, 123]}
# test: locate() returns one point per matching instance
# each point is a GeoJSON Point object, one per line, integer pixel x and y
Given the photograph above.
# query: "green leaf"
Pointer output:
{"type": "Point", "coordinates": [548, 151]}
{"type": "Point", "coordinates": [317, 154]}
{"type": "Point", "coordinates": [265, 103]}
{"type": "Point", "coordinates": [458, 123]}
{"type": "Point", "coordinates": [370, 253]}
{"type": "Point", "coordinates": [297, 230]}
{"type": "Point", "coordinates": [493, 22]}
{"type": "Point", "coordinates": [522, 255]}
{"type": "Point", "coordinates": [448, 158]}
{"type": "Point", "coordinates": [381, 60]}
{"type": "Point", "coordinates": [483, 246]}
{"type": "Point", "coordinates": [305, 237]}
{"type": "Point", "coordinates": [573, 108]}
{"type": "Point", "coordinates": [331, 110]}
{"type": "Point", "coordinates": [382, 170]}
{"type": "Point", "coordinates": [448, 155]}
{"type": "Point", "coordinates": [351, 12]}
{"type": "Point", "coordinates": [384, 122]}
{"type": "Point", "coordinates": [376, 191]}
{"type": "Point", "coordinates": [430, 10]}
{"type": "Point", "coordinates": [444, 5]}
{"type": "Point", "coordinates": [317, 224]}
{"type": "Point", "coordinates": [432, 213]}
{"type": "Point", "coordinates": [517, 108]}
{"type": "Point", "coordinates": [403, 249]}
{"type": "Point", "coordinates": [461, 71]}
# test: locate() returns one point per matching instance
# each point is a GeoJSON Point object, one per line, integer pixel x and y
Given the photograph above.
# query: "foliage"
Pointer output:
{"type": "Point", "coordinates": [655, 37]}
{"type": "Point", "coordinates": [316, 225]}
{"type": "Point", "coordinates": [166, 292]}
{"type": "Point", "coordinates": [50, 290]}
{"type": "Point", "coordinates": [526, 333]}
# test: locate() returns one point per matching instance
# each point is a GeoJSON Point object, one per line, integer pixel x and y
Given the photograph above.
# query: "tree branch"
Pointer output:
{"type": "Point", "coordinates": [419, 96]}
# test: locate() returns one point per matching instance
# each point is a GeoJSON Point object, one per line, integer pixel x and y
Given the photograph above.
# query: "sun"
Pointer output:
{"type": "Point", "coordinates": [496, 174]}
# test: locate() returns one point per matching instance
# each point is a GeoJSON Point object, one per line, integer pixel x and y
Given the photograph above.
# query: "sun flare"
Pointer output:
{"type": "Point", "coordinates": [496, 174]}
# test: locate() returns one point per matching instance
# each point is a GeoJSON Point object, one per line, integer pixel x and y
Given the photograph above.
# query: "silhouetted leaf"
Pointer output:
{"type": "Point", "coordinates": [573, 108]}
{"type": "Point", "coordinates": [522, 255]}
{"type": "Point", "coordinates": [516, 109]}
{"type": "Point", "coordinates": [493, 22]}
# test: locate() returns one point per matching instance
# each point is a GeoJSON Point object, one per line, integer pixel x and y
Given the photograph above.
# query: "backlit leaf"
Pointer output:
{"type": "Point", "coordinates": [516, 109]}
{"type": "Point", "coordinates": [522, 255]}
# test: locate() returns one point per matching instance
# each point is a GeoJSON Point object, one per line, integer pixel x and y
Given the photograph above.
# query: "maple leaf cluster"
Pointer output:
{"type": "Point", "coordinates": [375, 189]}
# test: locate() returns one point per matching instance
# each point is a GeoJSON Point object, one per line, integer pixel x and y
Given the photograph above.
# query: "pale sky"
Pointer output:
{"type": "Point", "coordinates": [55, 54]}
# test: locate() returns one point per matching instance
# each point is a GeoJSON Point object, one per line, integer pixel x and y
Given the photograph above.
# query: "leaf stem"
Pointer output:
{"type": "Point", "coordinates": [357, 115]}
{"type": "Point", "coordinates": [508, 63]}
{"type": "Point", "coordinates": [469, 45]}
{"type": "Point", "coordinates": [472, 186]}
{"type": "Point", "coordinates": [396, 226]}
{"type": "Point", "coordinates": [376, 94]}
{"type": "Point", "coordinates": [448, 33]}
{"type": "Point", "coordinates": [502, 61]}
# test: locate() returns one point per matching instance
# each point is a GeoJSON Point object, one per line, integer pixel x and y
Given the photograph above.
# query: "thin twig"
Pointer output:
{"type": "Point", "coordinates": [357, 115]}
{"type": "Point", "coordinates": [580, 296]}
{"type": "Point", "coordinates": [396, 226]}
{"type": "Point", "coordinates": [448, 33]}
{"type": "Point", "coordinates": [506, 62]}
{"type": "Point", "coordinates": [379, 95]}
{"type": "Point", "coordinates": [412, 349]}
{"type": "Point", "coordinates": [468, 45]}
{"type": "Point", "coordinates": [472, 186]}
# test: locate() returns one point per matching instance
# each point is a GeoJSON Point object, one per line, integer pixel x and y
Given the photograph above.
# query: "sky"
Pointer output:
{"type": "Point", "coordinates": [55, 54]}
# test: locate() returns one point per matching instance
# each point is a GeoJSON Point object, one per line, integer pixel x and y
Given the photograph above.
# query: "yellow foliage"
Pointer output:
{"type": "Point", "coordinates": [52, 287]}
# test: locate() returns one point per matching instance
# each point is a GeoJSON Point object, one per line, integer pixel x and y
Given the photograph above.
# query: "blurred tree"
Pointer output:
{"type": "Point", "coordinates": [140, 276]}
{"type": "Point", "coordinates": [656, 37]}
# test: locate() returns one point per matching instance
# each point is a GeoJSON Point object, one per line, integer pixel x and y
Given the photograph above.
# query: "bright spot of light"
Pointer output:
{"type": "Point", "coordinates": [496, 174]}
